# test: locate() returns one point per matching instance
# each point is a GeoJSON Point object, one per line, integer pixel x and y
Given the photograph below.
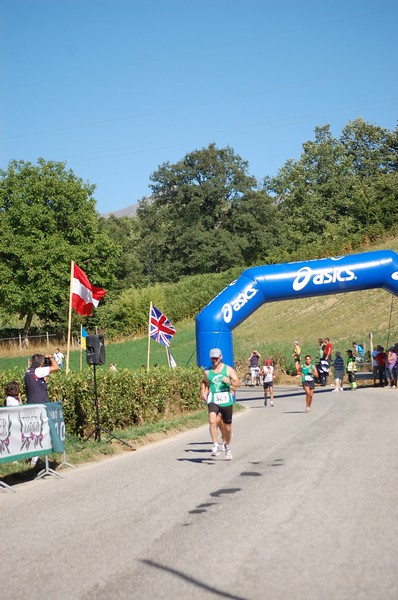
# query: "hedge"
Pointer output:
{"type": "Point", "coordinates": [125, 397]}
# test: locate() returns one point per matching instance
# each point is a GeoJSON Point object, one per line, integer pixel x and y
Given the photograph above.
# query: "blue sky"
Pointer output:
{"type": "Point", "coordinates": [117, 87]}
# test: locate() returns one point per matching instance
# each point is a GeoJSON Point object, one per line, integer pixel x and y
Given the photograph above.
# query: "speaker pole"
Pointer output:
{"type": "Point", "coordinates": [98, 422]}
{"type": "Point", "coordinates": [98, 427]}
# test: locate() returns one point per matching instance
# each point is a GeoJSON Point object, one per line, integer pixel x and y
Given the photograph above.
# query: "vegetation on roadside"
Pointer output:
{"type": "Point", "coordinates": [125, 398]}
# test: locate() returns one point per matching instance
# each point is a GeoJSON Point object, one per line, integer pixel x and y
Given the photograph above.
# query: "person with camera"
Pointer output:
{"type": "Point", "coordinates": [36, 383]}
{"type": "Point", "coordinates": [36, 378]}
{"type": "Point", "coordinates": [254, 366]}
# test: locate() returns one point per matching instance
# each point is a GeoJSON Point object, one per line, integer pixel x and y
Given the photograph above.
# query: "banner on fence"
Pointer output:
{"type": "Point", "coordinates": [57, 426]}
{"type": "Point", "coordinates": [24, 432]}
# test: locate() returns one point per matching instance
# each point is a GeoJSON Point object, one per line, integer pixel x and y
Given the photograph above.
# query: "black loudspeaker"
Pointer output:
{"type": "Point", "coordinates": [95, 350]}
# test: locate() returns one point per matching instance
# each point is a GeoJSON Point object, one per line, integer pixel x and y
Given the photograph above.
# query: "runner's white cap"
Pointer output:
{"type": "Point", "coordinates": [215, 352]}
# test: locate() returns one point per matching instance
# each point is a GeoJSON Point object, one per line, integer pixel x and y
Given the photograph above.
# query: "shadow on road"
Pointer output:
{"type": "Point", "coordinates": [199, 461]}
{"type": "Point", "coordinates": [193, 581]}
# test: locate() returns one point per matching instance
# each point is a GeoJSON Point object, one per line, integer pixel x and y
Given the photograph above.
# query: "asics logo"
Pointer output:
{"type": "Point", "coordinates": [321, 276]}
{"type": "Point", "coordinates": [236, 304]}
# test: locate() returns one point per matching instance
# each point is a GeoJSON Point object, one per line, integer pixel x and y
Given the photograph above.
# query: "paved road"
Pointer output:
{"type": "Point", "coordinates": [307, 510]}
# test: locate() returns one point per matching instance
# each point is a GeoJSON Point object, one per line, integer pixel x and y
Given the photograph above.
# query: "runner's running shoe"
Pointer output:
{"type": "Point", "coordinates": [214, 451]}
{"type": "Point", "coordinates": [228, 453]}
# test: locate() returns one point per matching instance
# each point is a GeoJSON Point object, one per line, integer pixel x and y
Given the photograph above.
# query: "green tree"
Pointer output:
{"type": "Point", "coordinates": [47, 219]}
{"type": "Point", "coordinates": [200, 217]}
{"type": "Point", "coordinates": [373, 149]}
{"type": "Point", "coordinates": [124, 232]}
{"type": "Point", "coordinates": [331, 197]}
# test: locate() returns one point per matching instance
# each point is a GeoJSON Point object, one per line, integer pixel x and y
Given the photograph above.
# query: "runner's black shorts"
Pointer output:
{"type": "Point", "coordinates": [268, 384]}
{"type": "Point", "coordinates": [225, 411]}
{"type": "Point", "coordinates": [310, 384]}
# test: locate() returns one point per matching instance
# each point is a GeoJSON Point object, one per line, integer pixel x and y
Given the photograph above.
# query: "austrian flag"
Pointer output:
{"type": "Point", "coordinates": [85, 296]}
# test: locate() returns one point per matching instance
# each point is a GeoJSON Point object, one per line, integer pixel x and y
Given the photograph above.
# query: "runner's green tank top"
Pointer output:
{"type": "Point", "coordinates": [219, 390]}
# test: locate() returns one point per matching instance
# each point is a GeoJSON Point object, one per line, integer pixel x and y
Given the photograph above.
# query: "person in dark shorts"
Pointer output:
{"type": "Point", "coordinates": [267, 372]}
{"type": "Point", "coordinates": [217, 389]}
{"type": "Point", "coordinates": [351, 370]}
{"type": "Point", "coordinates": [308, 373]}
{"type": "Point", "coordinates": [338, 367]}
{"type": "Point", "coordinates": [327, 355]}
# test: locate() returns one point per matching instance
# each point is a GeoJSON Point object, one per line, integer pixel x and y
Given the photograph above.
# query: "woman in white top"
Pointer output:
{"type": "Point", "coordinates": [13, 393]}
{"type": "Point", "coordinates": [267, 372]}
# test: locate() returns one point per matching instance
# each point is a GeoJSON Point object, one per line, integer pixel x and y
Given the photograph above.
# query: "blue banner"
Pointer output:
{"type": "Point", "coordinates": [57, 426]}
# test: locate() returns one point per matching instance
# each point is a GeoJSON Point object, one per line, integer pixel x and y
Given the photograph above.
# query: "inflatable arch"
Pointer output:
{"type": "Point", "coordinates": [270, 283]}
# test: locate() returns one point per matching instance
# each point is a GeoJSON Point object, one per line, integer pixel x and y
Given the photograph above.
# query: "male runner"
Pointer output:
{"type": "Point", "coordinates": [217, 389]}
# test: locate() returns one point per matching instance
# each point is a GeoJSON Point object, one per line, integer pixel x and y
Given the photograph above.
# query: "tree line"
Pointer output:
{"type": "Point", "coordinates": [206, 215]}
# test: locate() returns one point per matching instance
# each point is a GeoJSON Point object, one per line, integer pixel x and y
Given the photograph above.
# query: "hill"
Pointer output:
{"type": "Point", "coordinates": [344, 318]}
{"type": "Point", "coordinates": [128, 211]}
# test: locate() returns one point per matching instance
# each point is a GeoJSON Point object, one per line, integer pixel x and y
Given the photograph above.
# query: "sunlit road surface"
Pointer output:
{"type": "Point", "coordinates": [307, 509]}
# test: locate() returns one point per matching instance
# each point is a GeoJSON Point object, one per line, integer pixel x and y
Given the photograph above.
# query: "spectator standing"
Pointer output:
{"type": "Point", "coordinates": [254, 366]}
{"type": "Point", "coordinates": [338, 367]}
{"type": "Point", "coordinates": [381, 359]}
{"type": "Point", "coordinates": [36, 378]}
{"type": "Point", "coordinates": [375, 368]}
{"type": "Point", "coordinates": [13, 394]}
{"type": "Point", "coordinates": [59, 357]}
{"type": "Point", "coordinates": [327, 353]}
{"type": "Point", "coordinates": [321, 348]}
{"type": "Point", "coordinates": [36, 382]}
{"type": "Point", "coordinates": [351, 369]}
{"type": "Point", "coordinates": [392, 368]}
{"type": "Point", "coordinates": [267, 372]}
{"type": "Point", "coordinates": [296, 357]}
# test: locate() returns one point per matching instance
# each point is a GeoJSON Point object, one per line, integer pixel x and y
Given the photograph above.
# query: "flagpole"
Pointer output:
{"type": "Point", "coordinates": [81, 346]}
{"type": "Point", "coordinates": [72, 264]}
{"type": "Point", "coordinates": [149, 337]}
{"type": "Point", "coordinates": [168, 355]}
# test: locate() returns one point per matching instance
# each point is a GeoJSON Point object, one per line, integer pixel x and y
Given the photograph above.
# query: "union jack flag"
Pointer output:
{"type": "Point", "coordinates": [160, 328]}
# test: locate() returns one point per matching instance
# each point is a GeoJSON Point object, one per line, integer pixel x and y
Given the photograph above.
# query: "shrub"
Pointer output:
{"type": "Point", "coordinates": [124, 398]}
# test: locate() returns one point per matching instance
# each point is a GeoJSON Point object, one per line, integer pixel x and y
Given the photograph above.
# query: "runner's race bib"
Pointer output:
{"type": "Point", "coordinates": [309, 378]}
{"type": "Point", "coordinates": [221, 398]}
